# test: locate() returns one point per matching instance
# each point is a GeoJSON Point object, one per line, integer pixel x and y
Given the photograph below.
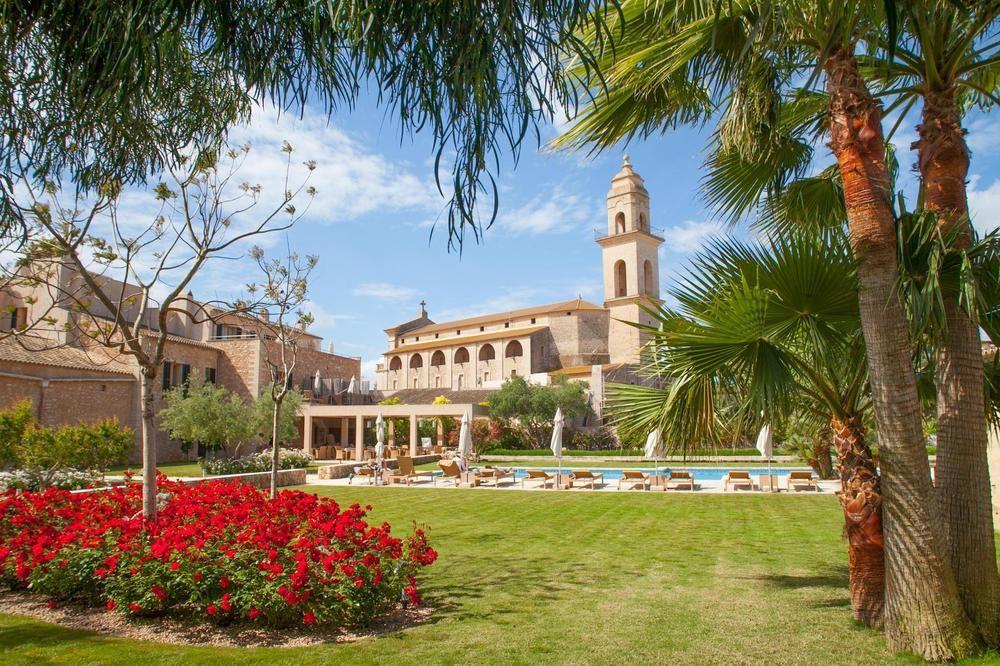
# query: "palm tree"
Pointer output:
{"type": "Point", "coordinates": [770, 329]}
{"type": "Point", "coordinates": [678, 61]}
{"type": "Point", "coordinates": [949, 60]}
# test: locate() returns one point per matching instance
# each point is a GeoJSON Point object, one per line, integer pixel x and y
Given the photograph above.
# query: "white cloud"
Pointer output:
{"type": "Point", "coordinates": [690, 235]}
{"type": "Point", "coordinates": [984, 135]}
{"type": "Point", "coordinates": [511, 299]}
{"type": "Point", "coordinates": [984, 205]}
{"type": "Point", "coordinates": [350, 179]}
{"type": "Point", "coordinates": [555, 211]}
{"type": "Point", "coordinates": [383, 291]}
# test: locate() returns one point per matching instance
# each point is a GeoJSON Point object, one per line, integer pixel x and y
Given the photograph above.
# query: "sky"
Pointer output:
{"type": "Point", "coordinates": [372, 219]}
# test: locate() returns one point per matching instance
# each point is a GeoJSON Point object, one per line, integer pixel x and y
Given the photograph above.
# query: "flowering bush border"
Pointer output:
{"type": "Point", "coordinates": [258, 462]}
{"type": "Point", "coordinates": [219, 550]}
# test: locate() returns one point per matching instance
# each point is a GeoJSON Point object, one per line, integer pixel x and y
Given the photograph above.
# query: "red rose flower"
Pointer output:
{"type": "Point", "coordinates": [212, 609]}
{"type": "Point", "coordinates": [309, 618]}
{"type": "Point", "coordinates": [159, 592]}
{"type": "Point", "coordinates": [253, 614]}
{"type": "Point", "coordinates": [134, 607]}
{"type": "Point", "coordinates": [110, 605]}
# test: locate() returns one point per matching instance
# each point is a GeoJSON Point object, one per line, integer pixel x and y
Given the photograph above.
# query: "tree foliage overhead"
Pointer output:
{"type": "Point", "coordinates": [102, 91]}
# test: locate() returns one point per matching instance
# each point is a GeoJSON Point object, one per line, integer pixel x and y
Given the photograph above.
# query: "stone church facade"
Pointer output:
{"type": "Point", "coordinates": [580, 339]}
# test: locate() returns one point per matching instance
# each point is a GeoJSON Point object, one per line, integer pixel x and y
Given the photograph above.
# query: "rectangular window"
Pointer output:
{"type": "Point", "coordinates": [532, 320]}
{"type": "Point", "coordinates": [506, 324]}
{"type": "Point", "coordinates": [218, 330]}
{"type": "Point", "coordinates": [167, 368]}
{"type": "Point", "coordinates": [209, 375]}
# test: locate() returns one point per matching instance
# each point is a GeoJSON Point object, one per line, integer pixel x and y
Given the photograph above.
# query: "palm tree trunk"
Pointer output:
{"type": "Point", "coordinates": [861, 499]}
{"type": "Point", "coordinates": [962, 475]}
{"type": "Point", "coordinates": [923, 613]}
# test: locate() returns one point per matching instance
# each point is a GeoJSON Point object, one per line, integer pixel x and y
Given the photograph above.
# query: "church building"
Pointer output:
{"type": "Point", "coordinates": [583, 340]}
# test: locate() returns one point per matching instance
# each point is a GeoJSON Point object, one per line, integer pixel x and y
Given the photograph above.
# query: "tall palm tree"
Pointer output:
{"type": "Point", "coordinates": [771, 329]}
{"type": "Point", "coordinates": [676, 62]}
{"type": "Point", "coordinates": [949, 60]}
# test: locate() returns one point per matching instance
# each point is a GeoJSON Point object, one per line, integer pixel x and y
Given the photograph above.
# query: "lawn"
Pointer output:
{"type": "Point", "coordinates": [532, 577]}
{"type": "Point", "coordinates": [178, 469]}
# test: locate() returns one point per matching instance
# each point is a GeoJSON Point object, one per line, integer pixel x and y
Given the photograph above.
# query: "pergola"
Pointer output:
{"type": "Point", "coordinates": [343, 414]}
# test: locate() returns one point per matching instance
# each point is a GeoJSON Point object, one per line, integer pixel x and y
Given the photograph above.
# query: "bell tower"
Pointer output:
{"type": "Point", "coordinates": [631, 263]}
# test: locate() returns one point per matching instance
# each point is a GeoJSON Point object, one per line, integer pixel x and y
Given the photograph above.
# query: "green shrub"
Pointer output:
{"type": "Point", "coordinates": [258, 462]}
{"type": "Point", "coordinates": [40, 453]}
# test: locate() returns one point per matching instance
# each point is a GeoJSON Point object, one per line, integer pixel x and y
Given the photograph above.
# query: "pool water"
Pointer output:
{"type": "Point", "coordinates": [699, 473]}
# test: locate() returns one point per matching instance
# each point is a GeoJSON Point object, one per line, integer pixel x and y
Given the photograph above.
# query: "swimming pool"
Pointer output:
{"type": "Point", "coordinates": [699, 473]}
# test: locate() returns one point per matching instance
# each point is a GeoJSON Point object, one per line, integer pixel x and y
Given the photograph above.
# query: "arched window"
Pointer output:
{"type": "Point", "coordinates": [643, 223]}
{"type": "Point", "coordinates": [487, 353]}
{"type": "Point", "coordinates": [396, 363]}
{"type": "Point", "coordinates": [513, 350]}
{"type": "Point", "coordinates": [461, 355]}
{"type": "Point", "coordinates": [437, 382]}
{"type": "Point", "coordinates": [620, 288]}
{"type": "Point", "coordinates": [437, 358]}
{"type": "Point", "coordinates": [647, 277]}
{"type": "Point", "coordinates": [620, 223]}
{"type": "Point", "coordinates": [416, 361]}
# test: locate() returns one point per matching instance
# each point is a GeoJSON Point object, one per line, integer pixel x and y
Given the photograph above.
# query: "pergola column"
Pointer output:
{"type": "Point", "coordinates": [307, 433]}
{"type": "Point", "coordinates": [359, 438]}
{"type": "Point", "coordinates": [440, 432]}
{"type": "Point", "coordinates": [413, 435]}
{"type": "Point", "coordinates": [392, 432]}
{"type": "Point", "coordinates": [344, 425]}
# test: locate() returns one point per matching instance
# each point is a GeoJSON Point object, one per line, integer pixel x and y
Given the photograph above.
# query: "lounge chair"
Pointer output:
{"type": "Point", "coordinates": [452, 472]}
{"type": "Point", "coordinates": [585, 477]}
{"type": "Point", "coordinates": [541, 476]}
{"type": "Point", "coordinates": [679, 478]}
{"type": "Point", "coordinates": [407, 474]}
{"type": "Point", "coordinates": [637, 478]}
{"type": "Point", "coordinates": [497, 474]}
{"type": "Point", "coordinates": [802, 479]}
{"type": "Point", "coordinates": [737, 478]}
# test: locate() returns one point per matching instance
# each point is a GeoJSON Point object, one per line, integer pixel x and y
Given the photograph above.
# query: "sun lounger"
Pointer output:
{"type": "Point", "coordinates": [585, 477]}
{"type": "Point", "coordinates": [496, 475]}
{"type": "Point", "coordinates": [802, 479]}
{"type": "Point", "coordinates": [679, 479]}
{"type": "Point", "coordinates": [737, 479]}
{"type": "Point", "coordinates": [407, 474]}
{"type": "Point", "coordinates": [452, 472]}
{"type": "Point", "coordinates": [540, 476]}
{"type": "Point", "coordinates": [637, 478]}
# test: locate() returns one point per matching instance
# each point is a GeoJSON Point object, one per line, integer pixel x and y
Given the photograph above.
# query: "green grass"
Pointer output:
{"type": "Point", "coordinates": [180, 469]}
{"type": "Point", "coordinates": [529, 577]}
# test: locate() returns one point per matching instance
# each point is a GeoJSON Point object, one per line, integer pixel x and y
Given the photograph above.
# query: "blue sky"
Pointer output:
{"type": "Point", "coordinates": [371, 222]}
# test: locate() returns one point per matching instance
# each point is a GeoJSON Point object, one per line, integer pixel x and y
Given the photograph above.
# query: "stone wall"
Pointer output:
{"type": "Point", "coordinates": [239, 366]}
{"type": "Point", "coordinates": [344, 470]}
{"type": "Point", "coordinates": [88, 395]}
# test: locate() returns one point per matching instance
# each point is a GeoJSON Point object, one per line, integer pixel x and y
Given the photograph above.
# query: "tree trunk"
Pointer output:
{"type": "Point", "coordinates": [923, 613]}
{"type": "Point", "coordinates": [148, 444]}
{"type": "Point", "coordinates": [861, 499]}
{"type": "Point", "coordinates": [962, 475]}
{"type": "Point", "coordinates": [275, 449]}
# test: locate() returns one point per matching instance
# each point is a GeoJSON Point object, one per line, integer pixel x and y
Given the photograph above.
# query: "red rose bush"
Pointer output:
{"type": "Point", "coordinates": [220, 550]}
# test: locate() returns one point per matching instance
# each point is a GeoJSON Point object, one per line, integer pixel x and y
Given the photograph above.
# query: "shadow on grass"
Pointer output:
{"type": "Point", "coordinates": [510, 577]}
{"type": "Point", "coordinates": [32, 632]}
{"type": "Point", "coordinates": [835, 577]}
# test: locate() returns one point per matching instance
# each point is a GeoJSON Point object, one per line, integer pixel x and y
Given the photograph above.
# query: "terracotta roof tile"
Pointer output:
{"type": "Point", "coordinates": [35, 350]}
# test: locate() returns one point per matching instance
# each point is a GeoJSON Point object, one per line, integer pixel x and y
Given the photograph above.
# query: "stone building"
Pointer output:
{"type": "Point", "coordinates": [583, 340]}
{"type": "Point", "coordinates": [70, 380]}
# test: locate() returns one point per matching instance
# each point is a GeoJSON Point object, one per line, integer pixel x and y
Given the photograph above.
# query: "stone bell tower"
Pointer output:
{"type": "Point", "coordinates": [631, 263]}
